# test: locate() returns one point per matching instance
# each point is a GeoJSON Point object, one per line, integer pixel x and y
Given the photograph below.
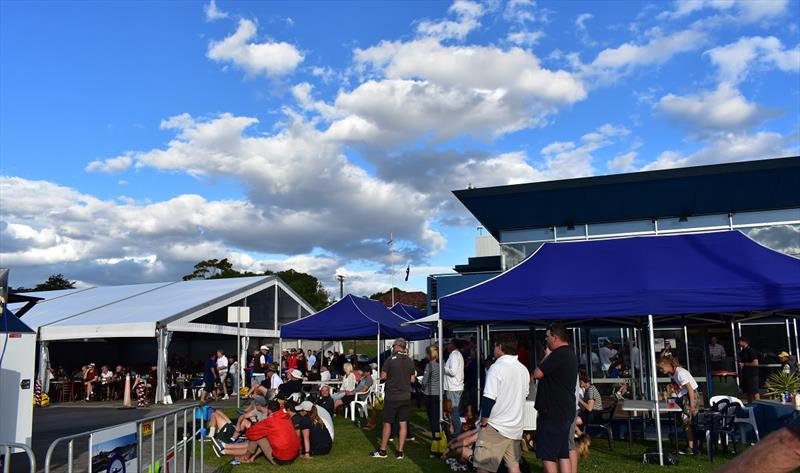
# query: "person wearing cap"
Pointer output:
{"type": "Point", "coordinates": [312, 431]}
{"type": "Point", "coordinates": [748, 370]}
{"type": "Point", "coordinates": [274, 436]}
{"type": "Point", "coordinates": [788, 365]}
{"type": "Point", "coordinates": [221, 428]}
{"type": "Point", "coordinates": [293, 385]}
{"type": "Point", "coordinates": [398, 372]}
{"type": "Point", "coordinates": [325, 400]}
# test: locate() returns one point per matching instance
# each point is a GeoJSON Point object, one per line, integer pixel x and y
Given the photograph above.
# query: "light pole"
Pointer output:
{"type": "Point", "coordinates": [340, 278]}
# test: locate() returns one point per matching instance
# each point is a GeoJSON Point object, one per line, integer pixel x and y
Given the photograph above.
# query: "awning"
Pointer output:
{"type": "Point", "coordinates": [722, 272]}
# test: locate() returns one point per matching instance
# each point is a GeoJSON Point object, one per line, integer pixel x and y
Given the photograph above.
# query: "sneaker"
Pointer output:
{"type": "Point", "coordinates": [399, 455]}
{"type": "Point", "coordinates": [686, 451]}
{"type": "Point", "coordinates": [379, 454]}
{"type": "Point", "coordinates": [216, 447]}
{"type": "Point", "coordinates": [235, 462]}
{"type": "Point", "coordinates": [225, 397]}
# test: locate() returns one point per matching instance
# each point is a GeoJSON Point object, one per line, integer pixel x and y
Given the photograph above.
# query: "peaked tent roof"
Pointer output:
{"type": "Point", "coordinates": [10, 323]}
{"type": "Point", "coordinates": [137, 310]}
{"type": "Point", "coordinates": [407, 312]}
{"type": "Point", "coordinates": [352, 318]}
{"type": "Point", "coordinates": [723, 272]}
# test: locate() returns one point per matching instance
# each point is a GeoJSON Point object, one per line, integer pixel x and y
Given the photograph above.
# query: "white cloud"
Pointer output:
{"type": "Point", "coordinates": [723, 109]}
{"type": "Point", "coordinates": [745, 11]}
{"type": "Point", "coordinates": [658, 50]}
{"type": "Point", "coordinates": [524, 37]}
{"type": "Point", "coordinates": [468, 15]}
{"type": "Point", "coordinates": [268, 58]}
{"type": "Point", "coordinates": [726, 148]}
{"type": "Point", "coordinates": [212, 12]}
{"type": "Point", "coordinates": [735, 60]}
{"type": "Point", "coordinates": [112, 165]}
{"type": "Point", "coordinates": [623, 162]}
{"type": "Point", "coordinates": [423, 88]}
{"type": "Point", "coordinates": [580, 25]}
{"type": "Point", "coordinates": [525, 11]}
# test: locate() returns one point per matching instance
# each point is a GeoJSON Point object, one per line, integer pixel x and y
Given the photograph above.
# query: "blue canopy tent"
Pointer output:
{"type": "Point", "coordinates": [353, 318]}
{"type": "Point", "coordinates": [700, 278]}
{"type": "Point", "coordinates": [410, 313]}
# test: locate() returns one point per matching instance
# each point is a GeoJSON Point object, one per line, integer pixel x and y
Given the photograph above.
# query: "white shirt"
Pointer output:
{"type": "Point", "coordinates": [312, 360]}
{"type": "Point", "coordinates": [635, 357]}
{"type": "Point", "coordinates": [275, 381]}
{"type": "Point", "coordinates": [682, 377]}
{"type": "Point", "coordinates": [454, 372]}
{"type": "Point", "coordinates": [507, 382]}
{"type": "Point", "coordinates": [263, 359]}
{"type": "Point", "coordinates": [325, 376]}
{"type": "Point", "coordinates": [605, 357]}
{"type": "Point", "coordinates": [222, 364]}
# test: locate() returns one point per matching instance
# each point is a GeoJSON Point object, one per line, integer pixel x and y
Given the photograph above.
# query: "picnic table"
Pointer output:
{"type": "Point", "coordinates": [631, 406]}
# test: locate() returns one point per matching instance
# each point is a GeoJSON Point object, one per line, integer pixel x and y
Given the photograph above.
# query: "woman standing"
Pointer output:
{"type": "Point", "coordinates": [686, 387]}
{"type": "Point", "coordinates": [430, 384]}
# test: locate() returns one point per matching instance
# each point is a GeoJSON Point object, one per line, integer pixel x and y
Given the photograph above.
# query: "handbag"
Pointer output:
{"type": "Point", "coordinates": [651, 458]}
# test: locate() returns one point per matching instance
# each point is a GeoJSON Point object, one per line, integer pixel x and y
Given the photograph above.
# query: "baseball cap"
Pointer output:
{"type": "Point", "coordinates": [304, 406]}
{"type": "Point", "coordinates": [264, 347]}
{"type": "Point", "coordinates": [260, 401]}
{"type": "Point", "coordinates": [296, 374]}
{"type": "Point", "coordinates": [783, 354]}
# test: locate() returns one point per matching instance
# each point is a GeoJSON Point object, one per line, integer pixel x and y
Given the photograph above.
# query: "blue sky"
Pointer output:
{"type": "Point", "coordinates": [137, 138]}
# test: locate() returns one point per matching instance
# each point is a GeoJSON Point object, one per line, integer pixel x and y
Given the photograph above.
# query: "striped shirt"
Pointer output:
{"type": "Point", "coordinates": [430, 378]}
{"type": "Point", "coordinates": [592, 393]}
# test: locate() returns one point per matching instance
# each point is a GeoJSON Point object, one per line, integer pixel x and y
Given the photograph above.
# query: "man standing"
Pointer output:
{"type": "Point", "coordinates": [222, 372]}
{"type": "Point", "coordinates": [398, 374]}
{"type": "Point", "coordinates": [312, 360]}
{"type": "Point", "coordinates": [502, 410]}
{"type": "Point", "coordinates": [607, 352]}
{"type": "Point", "coordinates": [716, 353]}
{"type": "Point", "coordinates": [454, 382]}
{"type": "Point", "coordinates": [555, 401]}
{"type": "Point", "coordinates": [748, 370]}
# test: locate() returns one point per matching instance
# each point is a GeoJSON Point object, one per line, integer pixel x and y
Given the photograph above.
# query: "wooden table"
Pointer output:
{"type": "Point", "coordinates": [631, 406]}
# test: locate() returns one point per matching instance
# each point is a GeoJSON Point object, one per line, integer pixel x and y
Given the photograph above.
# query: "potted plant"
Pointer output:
{"type": "Point", "coordinates": [780, 382]}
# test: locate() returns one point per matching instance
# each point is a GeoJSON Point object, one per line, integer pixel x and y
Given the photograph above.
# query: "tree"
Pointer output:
{"type": "Point", "coordinates": [305, 285]}
{"type": "Point", "coordinates": [53, 283]}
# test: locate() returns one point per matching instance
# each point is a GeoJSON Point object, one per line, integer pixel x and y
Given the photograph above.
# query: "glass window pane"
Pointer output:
{"type": "Point", "coordinates": [767, 216]}
{"type": "Point", "coordinates": [693, 221]}
{"type": "Point", "coordinates": [530, 234]}
{"type": "Point", "coordinates": [636, 226]}
{"type": "Point", "coordinates": [783, 238]}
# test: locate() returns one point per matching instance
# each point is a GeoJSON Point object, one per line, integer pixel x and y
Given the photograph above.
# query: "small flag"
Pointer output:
{"type": "Point", "coordinates": [408, 270]}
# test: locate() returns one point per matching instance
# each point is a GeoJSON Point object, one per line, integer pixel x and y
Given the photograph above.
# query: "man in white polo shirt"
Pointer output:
{"type": "Point", "coordinates": [222, 370]}
{"type": "Point", "coordinates": [502, 409]}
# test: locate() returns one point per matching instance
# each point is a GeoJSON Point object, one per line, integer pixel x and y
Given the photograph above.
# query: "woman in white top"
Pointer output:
{"type": "Point", "coordinates": [348, 382]}
{"type": "Point", "coordinates": [686, 387]}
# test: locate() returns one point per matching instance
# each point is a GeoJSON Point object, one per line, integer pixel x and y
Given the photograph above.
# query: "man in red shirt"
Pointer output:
{"type": "Point", "coordinates": [274, 436]}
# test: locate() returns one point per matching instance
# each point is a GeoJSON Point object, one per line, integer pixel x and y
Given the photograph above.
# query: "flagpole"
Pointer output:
{"type": "Point", "coordinates": [391, 262]}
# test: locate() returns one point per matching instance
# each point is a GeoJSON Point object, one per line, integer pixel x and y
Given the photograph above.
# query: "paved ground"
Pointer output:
{"type": "Point", "coordinates": [62, 419]}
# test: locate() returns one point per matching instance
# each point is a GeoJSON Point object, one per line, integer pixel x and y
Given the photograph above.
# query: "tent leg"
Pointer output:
{"type": "Point", "coordinates": [735, 354]}
{"type": "Point", "coordinates": [379, 347]}
{"type": "Point", "coordinates": [441, 372]}
{"type": "Point", "coordinates": [279, 357]}
{"type": "Point", "coordinates": [478, 341]}
{"type": "Point", "coordinates": [44, 362]}
{"type": "Point", "coordinates": [654, 375]}
{"type": "Point", "coordinates": [160, 372]}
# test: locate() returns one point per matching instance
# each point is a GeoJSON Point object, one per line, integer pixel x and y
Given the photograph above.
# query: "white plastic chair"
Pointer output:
{"type": "Point", "coordinates": [742, 421]}
{"type": "Point", "coordinates": [295, 397]}
{"type": "Point", "coordinates": [361, 400]}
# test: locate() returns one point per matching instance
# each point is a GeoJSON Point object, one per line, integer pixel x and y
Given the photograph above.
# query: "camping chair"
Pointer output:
{"type": "Point", "coordinates": [603, 420]}
{"type": "Point", "coordinates": [742, 422]}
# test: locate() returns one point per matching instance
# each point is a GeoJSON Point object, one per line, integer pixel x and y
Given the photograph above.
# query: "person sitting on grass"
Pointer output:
{"type": "Point", "coordinates": [325, 400]}
{"type": "Point", "coordinates": [274, 437]}
{"type": "Point", "coordinates": [221, 426]}
{"type": "Point", "coordinates": [312, 431]}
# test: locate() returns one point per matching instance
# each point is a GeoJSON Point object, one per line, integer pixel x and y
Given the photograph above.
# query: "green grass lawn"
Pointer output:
{"type": "Point", "coordinates": [352, 446]}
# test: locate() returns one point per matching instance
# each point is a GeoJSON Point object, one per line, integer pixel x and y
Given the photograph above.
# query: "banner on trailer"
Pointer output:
{"type": "Point", "coordinates": [114, 450]}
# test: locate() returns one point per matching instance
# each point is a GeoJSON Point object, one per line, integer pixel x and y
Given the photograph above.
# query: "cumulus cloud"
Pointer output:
{"type": "Point", "coordinates": [583, 30]}
{"type": "Point", "coordinates": [423, 88]}
{"type": "Point", "coordinates": [623, 162]}
{"type": "Point", "coordinates": [468, 15]}
{"type": "Point", "coordinates": [212, 12]}
{"type": "Point", "coordinates": [734, 60]}
{"type": "Point", "coordinates": [112, 165]}
{"type": "Point", "coordinates": [723, 109]}
{"type": "Point", "coordinates": [267, 58]}
{"type": "Point", "coordinates": [524, 37]}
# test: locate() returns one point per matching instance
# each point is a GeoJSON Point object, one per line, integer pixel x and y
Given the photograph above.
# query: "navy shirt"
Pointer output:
{"type": "Point", "coordinates": [209, 373]}
{"type": "Point", "coordinates": [555, 395]}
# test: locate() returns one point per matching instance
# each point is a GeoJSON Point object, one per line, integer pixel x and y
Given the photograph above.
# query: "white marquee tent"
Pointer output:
{"type": "Point", "coordinates": [157, 310]}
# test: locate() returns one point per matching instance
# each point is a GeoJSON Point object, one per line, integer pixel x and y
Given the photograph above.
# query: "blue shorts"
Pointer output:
{"type": "Point", "coordinates": [552, 438]}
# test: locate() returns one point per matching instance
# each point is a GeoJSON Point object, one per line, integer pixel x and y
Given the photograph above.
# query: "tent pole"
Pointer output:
{"type": "Point", "coordinates": [630, 356]}
{"type": "Point", "coordinates": [654, 375]}
{"type": "Point", "coordinates": [478, 341]}
{"type": "Point", "coordinates": [796, 340]}
{"type": "Point", "coordinates": [379, 347]}
{"type": "Point", "coordinates": [441, 370]}
{"type": "Point", "coordinates": [641, 362]}
{"type": "Point", "coordinates": [735, 354]}
{"type": "Point", "coordinates": [279, 356]}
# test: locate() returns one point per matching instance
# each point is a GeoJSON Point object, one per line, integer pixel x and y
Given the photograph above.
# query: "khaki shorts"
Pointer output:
{"type": "Point", "coordinates": [492, 448]}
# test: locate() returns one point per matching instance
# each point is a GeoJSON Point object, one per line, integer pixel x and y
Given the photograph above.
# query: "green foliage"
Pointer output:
{"type": "Point", "coordinates": [779, 382]}
{"type": "Point", "coordinates": [306, 285]}
{"type": "Point", "coordinates": [53, 283]}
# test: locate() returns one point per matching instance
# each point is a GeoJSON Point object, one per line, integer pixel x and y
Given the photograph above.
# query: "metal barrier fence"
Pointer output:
{"type": "Point", "coordinates": [7, 449]}
{"type": "Point", "coordinates": [174, 433]}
